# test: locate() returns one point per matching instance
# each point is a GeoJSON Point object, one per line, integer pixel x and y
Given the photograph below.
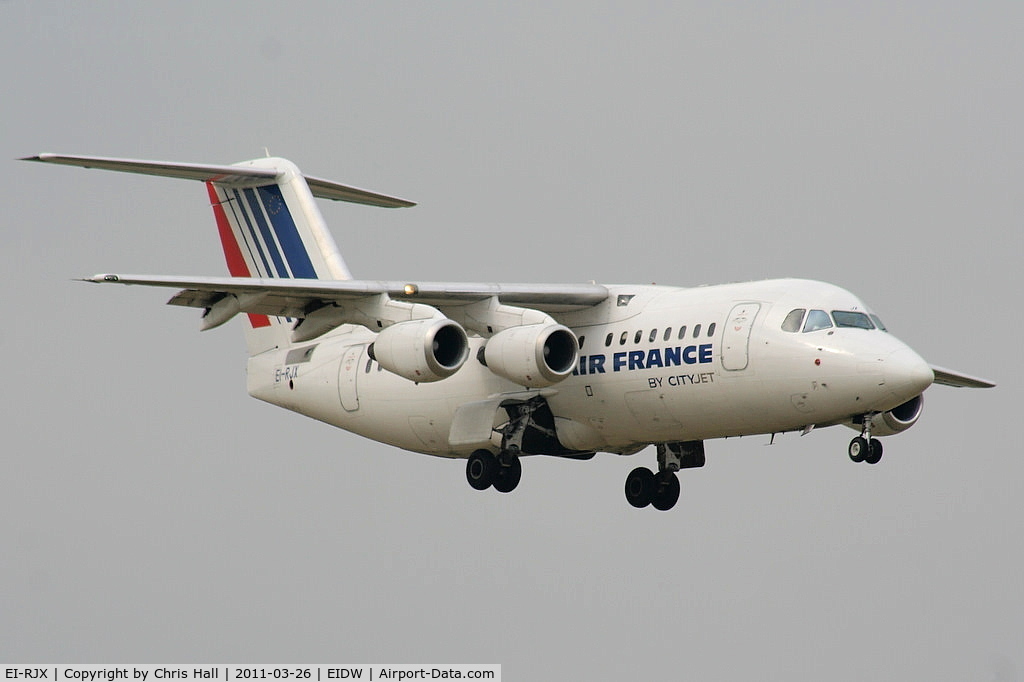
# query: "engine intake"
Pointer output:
{"type": "Point", "coordinates": [896, 420]}
{"type": "Point", "coordinates": [534, 356]}
{"type": "Point", "coordinates": [421, 350]}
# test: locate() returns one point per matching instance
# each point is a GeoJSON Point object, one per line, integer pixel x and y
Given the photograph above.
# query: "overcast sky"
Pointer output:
{"type": "Point", "coordinates": [151, 512]}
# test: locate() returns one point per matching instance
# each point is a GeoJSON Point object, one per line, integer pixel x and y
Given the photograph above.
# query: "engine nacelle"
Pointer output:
{"type": "Point", "coordinates": [899, 418]}
{"type": "Point", "coordinates": [534, 356]}
{"type": "Point", "coordinates": [421, 350]}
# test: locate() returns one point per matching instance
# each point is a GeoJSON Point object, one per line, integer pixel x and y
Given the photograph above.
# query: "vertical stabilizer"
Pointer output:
{"type": "Point", "coordinates": [273, 230]}
{"type": "Point", "coordinates": [269, 225]}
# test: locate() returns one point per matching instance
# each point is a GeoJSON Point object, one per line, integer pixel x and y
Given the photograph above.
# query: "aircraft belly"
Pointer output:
{"type": "Point", "coordinates": [692, 406]}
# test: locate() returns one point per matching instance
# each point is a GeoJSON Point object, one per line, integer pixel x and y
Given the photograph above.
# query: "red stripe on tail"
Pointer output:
{"type": "Point", "coordinates": [232, 253]}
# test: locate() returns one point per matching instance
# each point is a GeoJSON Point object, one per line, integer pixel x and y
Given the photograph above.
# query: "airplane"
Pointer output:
{"type": "Point", "coordinates": [492, 373]}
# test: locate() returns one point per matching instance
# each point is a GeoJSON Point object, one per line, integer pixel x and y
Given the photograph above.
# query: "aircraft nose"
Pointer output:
{"type": "Point", "coordinates": [907, 372]}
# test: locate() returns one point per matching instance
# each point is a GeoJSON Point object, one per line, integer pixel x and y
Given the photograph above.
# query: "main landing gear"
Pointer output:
{"type": "Point", "coordinates": [503, 470]}
{"type": "Point", "coordinates": [661, 490]}
{"type": "Point", "coordinates": [864, 448]}
{"type": "Point", "coordinates": [485, 469]}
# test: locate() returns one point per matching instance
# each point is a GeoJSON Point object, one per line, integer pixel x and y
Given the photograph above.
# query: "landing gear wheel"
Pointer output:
{"type": "Point", "coordinates": [666, 490]}
{"type": "Point", "coordinates": [640, 487]}
{"type": "Point", "coordinates": [481, 469]}
{"type": "Point", "coordinates": [859, 449]}
{"type": "Point", "coordinates": [874, 454]}
{"type": "Point", "coordinates": [506, 478]}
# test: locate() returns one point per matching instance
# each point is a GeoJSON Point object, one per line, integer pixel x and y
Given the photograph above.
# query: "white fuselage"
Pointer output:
{"type": "Point", "coordinates": [657, 364]}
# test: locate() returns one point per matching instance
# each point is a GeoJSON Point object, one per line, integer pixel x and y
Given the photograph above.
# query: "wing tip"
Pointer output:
{"type": "Point", "coordinates": [100, 278]}
{"type": "Point", "coordinates": [948, 377]}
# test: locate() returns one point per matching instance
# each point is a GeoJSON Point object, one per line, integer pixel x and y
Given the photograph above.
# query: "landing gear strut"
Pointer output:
{"type": "Point", "coordinates": [661, 490]}
{"type": "Point", "coordinates": [864, 448]}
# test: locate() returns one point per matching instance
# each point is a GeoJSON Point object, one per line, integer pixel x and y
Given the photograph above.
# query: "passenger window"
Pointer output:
{"type": "Point", "coordinates": [369, 364]}
{"type": "Point", "coordinates": [622, 339]}
{"type": "Point", "coordinates": [845, 318]}
{"type": "Point", "coordinates": [653, 336]}
{"type": "Point", "coordinates": [817, 319]}
{"type": "Point", "coordinates": [639, 335]}
{"type": "Point", "coordinates": [682, 332]}
{"type": "Point", "coordinates": [668, 333]}
{"type": "Point", "coordinates": [793, 320]}
{"type": "Point", "coordinates": [696, 330]}
{"type": "Point", "coordinates": [608, 339]}
{"type": "Point", "coordinates": [711, 329]}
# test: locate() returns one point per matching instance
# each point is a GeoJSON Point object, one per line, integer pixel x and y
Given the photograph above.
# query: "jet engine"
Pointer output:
{"type": "Point", "coordinates": [534, 356]}
{"type": "Point", "coordinates": [421, 350]}
{"type": "Point", "coordinates": [899, 418]}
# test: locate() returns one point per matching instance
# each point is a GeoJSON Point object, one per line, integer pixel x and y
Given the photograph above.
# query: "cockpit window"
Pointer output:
{"type": "Point", "coordinates": [817, 319]}
{"type": "Point", "coordinates": [845, 318]}
{"type": "Point", "coordinates": [793, 320]}
{"type": "Point", "coordinates": [878, 323]}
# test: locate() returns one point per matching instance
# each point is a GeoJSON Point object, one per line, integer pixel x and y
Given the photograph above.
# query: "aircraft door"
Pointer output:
{"type": "Point", "coordinates": [652, 413]}
{"type": "Point", "coordinates": [736, 338]}
{"type": "Point", "coordinates": [347, 374]}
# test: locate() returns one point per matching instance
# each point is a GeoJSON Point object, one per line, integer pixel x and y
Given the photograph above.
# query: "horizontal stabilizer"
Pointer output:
{"type": "Point", "coordinates": [225, 175]}
{"type": "Point", "coordinates": [325, 189]}
{"type": "Point", "coordinates": [167, 169]}
{"type": "Point", "coordinates": [948, 377]}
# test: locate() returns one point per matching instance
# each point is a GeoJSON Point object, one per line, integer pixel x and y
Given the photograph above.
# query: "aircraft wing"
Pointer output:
{"type": "Point", "coordinates": [948, 377]}
{"type": "Point", "coordinates": [297, 297]}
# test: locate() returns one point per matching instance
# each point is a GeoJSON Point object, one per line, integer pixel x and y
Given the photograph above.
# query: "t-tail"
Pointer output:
{"type": "Point", "coordinates": [268, 223]}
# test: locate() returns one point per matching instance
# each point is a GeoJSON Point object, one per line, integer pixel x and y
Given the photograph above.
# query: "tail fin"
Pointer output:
{"type": "Point", "coordinates": [273, 230]}
{"type": "Point", "coordinates": [269, 225]}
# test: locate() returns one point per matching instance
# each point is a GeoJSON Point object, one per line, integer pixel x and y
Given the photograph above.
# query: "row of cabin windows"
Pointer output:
{"type": "Point", "coordinates": [819, 319]}
{"type": "Point", "coordinates": [651, 338]}
{"type": "Point", "coordinates": [638, 336]}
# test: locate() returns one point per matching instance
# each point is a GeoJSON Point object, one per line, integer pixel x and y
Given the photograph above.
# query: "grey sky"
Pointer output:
{"type": "Point", "coordinates": [151, 512]}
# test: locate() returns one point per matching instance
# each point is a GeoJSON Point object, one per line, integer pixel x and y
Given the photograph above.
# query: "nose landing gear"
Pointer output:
{"type": "Point", "coordinates": [864, 448]}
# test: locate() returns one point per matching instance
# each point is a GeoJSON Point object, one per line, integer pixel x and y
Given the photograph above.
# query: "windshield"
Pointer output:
{"type": "Point", "coordinates": [817, 319]}
{"type": "Point", "coordinates": [793, 320]}
{"type": "Point", "coordinates": [845, 318]}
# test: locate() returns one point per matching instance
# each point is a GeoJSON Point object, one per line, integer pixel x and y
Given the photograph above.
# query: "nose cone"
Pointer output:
{"type": "Point", "coordinates": [906, 373]}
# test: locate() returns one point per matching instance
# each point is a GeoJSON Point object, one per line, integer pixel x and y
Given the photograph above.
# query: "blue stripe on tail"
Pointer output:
{"type": "Point", "coordinates": [287, 233]}
{"type": "Point", "coordinates": [268, 237]}
{"type": "Point", "coordinates": [238, 207]}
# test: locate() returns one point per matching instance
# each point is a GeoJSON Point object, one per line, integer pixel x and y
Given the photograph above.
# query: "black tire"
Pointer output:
{"type": "Point", "coordinates": [859, 449]}
{"type": "Point", "coordinates": [507, 478]}
{"type": "Point", "coordinates": [666, 490]}
{"type": "Point", "coordinates": [874, 455]}
{"type": "Point", "coordinates": [481, 469]}
{"type": "Point", "coordinates": [640, 487]}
